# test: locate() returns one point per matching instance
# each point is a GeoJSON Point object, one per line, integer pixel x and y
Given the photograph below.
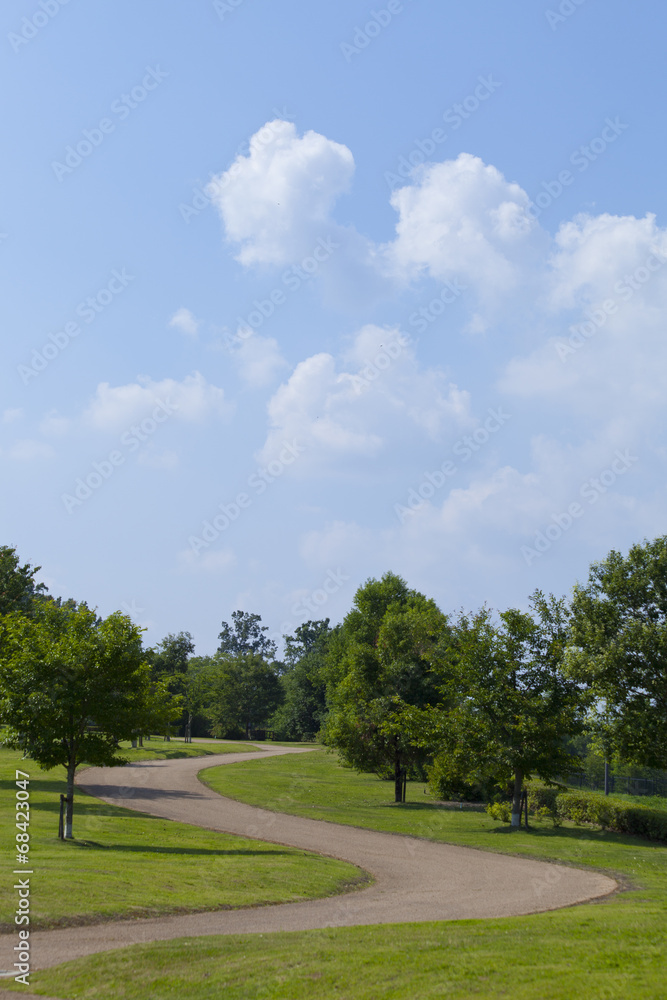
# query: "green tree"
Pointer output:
{"type": "Point", "coordinates": [245, 636]}
{"type": "Point", "coordinates": [245, 692]}
{"type": "Point", "coordinates": [619, 651]}
{"type": "Point", "coordinates": [18, 590]}
{"type": "Point", "coordinates": [379, 668]}
{"type": "Point", "coordinates": [508, 711]}
{"type": "Point", "coordinates": [72, 685]}
{"type": "Point", "coordinates": [197, 689]}
{"type": "Point", "coordinates": [304, 708]}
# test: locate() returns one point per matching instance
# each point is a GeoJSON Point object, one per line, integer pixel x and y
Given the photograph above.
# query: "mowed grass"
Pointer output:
{"type": "Point", "coordinates": [157, 748]}
{"type": "Point", "coordinates": [126, 864]}
{"type": "Point", "coordinates": [612, 950]}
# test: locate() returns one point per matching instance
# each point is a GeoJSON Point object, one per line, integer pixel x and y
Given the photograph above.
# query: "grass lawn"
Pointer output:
{"type": "Point", "coordinates": [123, 863]}
{"type": "Point", "coordinates": [612, 950]}
{"type": "Point", "coordinates": [156, 748]}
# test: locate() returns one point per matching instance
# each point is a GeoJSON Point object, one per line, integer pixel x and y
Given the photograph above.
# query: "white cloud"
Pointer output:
{"type": "Point", "coordinates": [383, 399]}
{"type": "Point", "coordinates": [258, 358]}
{"type": "Point", "coordinates": [193, 399]}
{"type": "Point", "coordinates": [276, 201]}
{"type": "Point", "coordinates": [10, 416]}
{"type": "Point", "coordinates": [184, 321]}
{"type": "Point", "coordinates": [462, 218]}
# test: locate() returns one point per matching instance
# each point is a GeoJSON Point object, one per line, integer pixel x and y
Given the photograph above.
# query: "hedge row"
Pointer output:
{"type": "Point", "coordinates": [605, 811]}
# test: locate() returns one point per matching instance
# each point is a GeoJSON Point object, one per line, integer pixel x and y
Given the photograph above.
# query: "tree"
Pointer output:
{"type": "Point", "coordinates": [304, 708]}
{"type": "Point", "coordinates": [197, 689]}
{"type": "Point", "coordinates": [72, 685]}
{"type": "Point", "coordinates": [379, 668]}
{"type": "Point", "coordinates": [245, 636]}
{"type": "Point", "coordinates": [169, 659]}
{"type": "Point", "coordinates": [169, 664]}
{"type": "Point", "coordinates": [508, 710]}
{"type": "Point", "coordinates": [619, 651]}
{"type": "Point", "coordinates": [245, 692]}
{"type": "Point", "coordinates": [18, 590]}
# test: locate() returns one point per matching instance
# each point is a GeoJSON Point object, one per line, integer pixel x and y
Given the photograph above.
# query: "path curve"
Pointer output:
{"type": "Point", "coordinates": [415, 880]}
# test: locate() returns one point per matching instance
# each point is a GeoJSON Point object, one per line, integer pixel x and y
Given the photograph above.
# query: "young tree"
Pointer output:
{"type": "Point", "coordinates": [619, 650]}
{"type": "Point", "coordinates": [380, 666]}
{"type": "Point", "coordinates": [72, 685]}
{"type": "Point", "coordinates": [508, 709]}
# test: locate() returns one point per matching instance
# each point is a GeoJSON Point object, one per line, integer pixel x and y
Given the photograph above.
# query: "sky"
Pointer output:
{"type": "Point", "coordinates": [295, 294]}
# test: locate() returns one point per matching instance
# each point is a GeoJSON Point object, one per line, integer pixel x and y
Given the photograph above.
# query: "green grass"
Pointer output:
{"type": "Point", "coordinates": [157, 748]}
{"type": "Point", "coordinates": [126, 864]}
{"type": "Point", "coordinates": [612, 950]}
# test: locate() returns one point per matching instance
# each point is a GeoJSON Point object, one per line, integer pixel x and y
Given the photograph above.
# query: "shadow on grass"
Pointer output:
{"type": "Point", "coordinates": [177, 851]}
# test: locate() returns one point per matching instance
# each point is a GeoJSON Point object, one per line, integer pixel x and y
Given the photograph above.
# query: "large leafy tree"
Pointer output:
{"type": "Point", "coordinates": [508, 710]}
{"type": "Point", "coordinates": [72, 685]}
{"type": "Point", "coordinates": [245, 692]}
{"type": "Point", "coordinates": [619, 651]}
{"type": "Point", "coordinates": [245, 636]}
{"type": "Point", "coordinates": [18, 589]}
{"type": "Point", "coordinates": [380, 667]}
{"type": "Point", "coordinates": [304, 709]}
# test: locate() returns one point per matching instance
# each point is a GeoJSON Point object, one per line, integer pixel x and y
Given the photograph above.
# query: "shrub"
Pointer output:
{"type": "Point", "coordinates": [543, 801]}
{"type": "Point", "coordinates": [500, 811]}
{"type": "Point", "coordinates": [613, 814]}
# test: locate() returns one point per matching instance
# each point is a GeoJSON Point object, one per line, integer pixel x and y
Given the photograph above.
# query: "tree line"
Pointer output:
{"type": "Point", "coordinates": [475, 702]}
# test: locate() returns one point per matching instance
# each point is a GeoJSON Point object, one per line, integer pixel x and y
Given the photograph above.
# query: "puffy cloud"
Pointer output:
{"type": "Point", "coordinates": [258, 358]}
{"type": "Point", "coordinates": [462, 218]}
{"type": "Point", "coordinates": [193, 399]}
{"type": "Point", "coordinates": [184, 321]}
{"type": "Point", "coordinates": [276, 201]}
{"type": "Point", "coordinates": [383, 399]}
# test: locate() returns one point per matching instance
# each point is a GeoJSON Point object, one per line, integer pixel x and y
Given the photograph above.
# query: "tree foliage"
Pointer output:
{"type": "Point", "coordinates": [73, 685]}
{"type": "Point", "coordinates": [508, 710]}
{"type": "Point", "coordinates": [380, 666]}
{"type": "Point", "coordinates": [245, 636]}
{"type": "Point", "coordinates": [619, 650]}
{"type": "Point", "coordinates": [245, 692]}
{"type": "Point", "coordinates": [304, 708]}
{"type": "Point", "coordinates": [18, 590]}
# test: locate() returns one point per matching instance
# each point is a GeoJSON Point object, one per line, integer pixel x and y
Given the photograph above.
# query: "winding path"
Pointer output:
{"type": "Point", "coordinates": [415, 880]}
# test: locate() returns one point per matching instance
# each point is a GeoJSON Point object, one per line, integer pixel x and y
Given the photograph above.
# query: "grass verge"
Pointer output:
{"type": "Point", "coordinates": [607, 951]}
{"type": "Point", "coordinates": [126, 864]}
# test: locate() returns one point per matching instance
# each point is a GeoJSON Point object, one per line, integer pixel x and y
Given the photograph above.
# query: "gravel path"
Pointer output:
{"type": "Point", "coordinates": [415, 880]}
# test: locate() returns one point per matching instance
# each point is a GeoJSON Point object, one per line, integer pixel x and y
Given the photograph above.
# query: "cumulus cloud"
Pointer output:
{"type": "Point", "coordinates": [192, 399]}
{"type": "Point", "coordinates": [258, 359]}
{"type": "Point", "coordinates": [275, 202]}
{"type": "Point", "coordinates": [376, 397]}
{"type": "Point", "coordinates": [462, 218]}
{"type": "Point", "coordinates": [184, 321]}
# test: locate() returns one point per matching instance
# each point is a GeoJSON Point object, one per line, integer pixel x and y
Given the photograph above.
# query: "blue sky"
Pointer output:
{"type": "Point", "coordinates": [295, 294]}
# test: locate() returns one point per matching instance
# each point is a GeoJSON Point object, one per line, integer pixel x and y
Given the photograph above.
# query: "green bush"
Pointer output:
{"type": "Point", "coordinates": [500, 811]}
{"type": "Point", "coordinates": [613, 814]}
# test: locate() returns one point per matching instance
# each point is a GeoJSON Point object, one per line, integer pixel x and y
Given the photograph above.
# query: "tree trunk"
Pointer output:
{"type": "Point", "coordinates": [141, 741]}
{"type": "Point", "coordinates": [516, 798]}
{"type": "Point", "coordinates": [398, 780]}
{"type": "Point", "coordinates": [69, 802]}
